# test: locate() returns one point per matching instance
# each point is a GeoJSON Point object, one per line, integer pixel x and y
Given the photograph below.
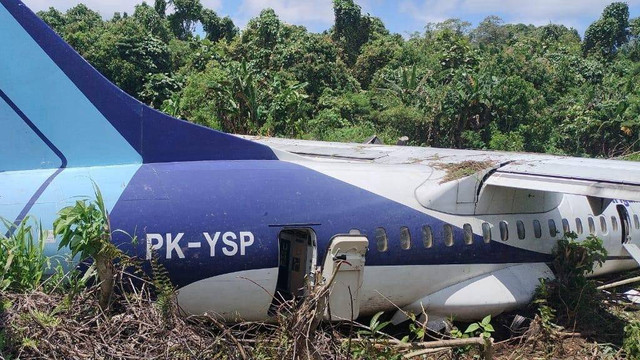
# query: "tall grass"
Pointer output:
{"type": "Point", "coordinates": [22, 259]}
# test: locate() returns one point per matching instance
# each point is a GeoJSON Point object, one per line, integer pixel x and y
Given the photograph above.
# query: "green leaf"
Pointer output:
{"type": "Point", "coordinates": [473, 327]}
{"type": "Point", "coordinates": [374, 320]}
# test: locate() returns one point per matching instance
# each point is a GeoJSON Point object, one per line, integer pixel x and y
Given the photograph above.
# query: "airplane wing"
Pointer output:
{"type": "Point", "coordinates": [599, 179]}
{"type": "Point", "coordinates": [607, 179]}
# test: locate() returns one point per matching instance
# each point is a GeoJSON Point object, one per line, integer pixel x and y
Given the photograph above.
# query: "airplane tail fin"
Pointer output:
{"type": "Point", "coordinates": [57, 111]}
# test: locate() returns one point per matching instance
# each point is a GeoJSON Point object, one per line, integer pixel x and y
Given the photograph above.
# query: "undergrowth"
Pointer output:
{"type": "Point", "coordinates": [570, 312]}
{"type": "Point", "coordinates": [63, 315]}
{"type": "Point", "coordinates": [22, 259]}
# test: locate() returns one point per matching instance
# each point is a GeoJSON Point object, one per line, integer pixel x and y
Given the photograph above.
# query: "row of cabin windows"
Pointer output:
{"type": "Point", "coordinates": [566, 227]}
{"type": "Point", "coordinates": [382, 241]}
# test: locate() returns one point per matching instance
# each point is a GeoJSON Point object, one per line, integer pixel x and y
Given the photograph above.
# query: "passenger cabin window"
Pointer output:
{"type": "Point", "coordinates": [603, 224]}
{"type": "Point", "coordinates": [592, 226]}
{"type": "Point", "coordinates": [405, 238]}
{"type": "Point", "coordinates": [504, 231]}
{"type": "Point", "coordinates": [520, 228]}
{"type": "Point", "coordinates": [537, 229]}
{"type": "Point", "coordinates": [448, 235]}
{"type": "Point", "coordinates": [636, 222]}
{"type": "Point", "coordinates": [565, 226]}
{"type": "Point", "coordinates": [468, 234]}
{"type": "Point", "coordinates": [579, 229]}
{"type": "Point", "coordinates": [381, 239]}
{"type": "Point", "coordinates": [553, 230]}
{"type": "Point", "coordinates": [486, 232]}
{"type": "Point", "coordinates": [427, 236]}
{"type": "Point", "coordinates": [614, 223]}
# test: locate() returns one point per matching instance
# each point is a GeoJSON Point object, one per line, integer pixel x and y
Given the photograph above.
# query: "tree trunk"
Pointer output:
{"type": "Point", "coordinates": [104, 265]}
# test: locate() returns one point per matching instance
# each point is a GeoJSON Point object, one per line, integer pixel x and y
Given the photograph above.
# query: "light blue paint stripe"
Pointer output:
{"type": "Point", "coordinates": [70, 185]}
{"type": "Point", "coordinates": [54, 104]}
{"type": "Point", "coordinates": [22, 148]}
{"type": "Point", "coordinates": [16, 188]}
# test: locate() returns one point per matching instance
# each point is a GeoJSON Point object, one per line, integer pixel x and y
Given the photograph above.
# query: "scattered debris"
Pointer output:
{"type": "Point", "coordinates": [633, 295]}
{"type": "Point", "coordinates": [374, 139]}
{"type": "Point", "coordinates": [462, 169]}
{"type": "Point", "coordinates": [402, 141]}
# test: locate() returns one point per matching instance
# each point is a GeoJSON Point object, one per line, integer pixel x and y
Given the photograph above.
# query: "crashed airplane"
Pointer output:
{"type": "Point", "coordinates": [455, 233]}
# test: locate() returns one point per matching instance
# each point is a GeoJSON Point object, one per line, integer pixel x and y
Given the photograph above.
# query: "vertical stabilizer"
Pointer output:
{"type": "Point", "coordinates": [57, 111]}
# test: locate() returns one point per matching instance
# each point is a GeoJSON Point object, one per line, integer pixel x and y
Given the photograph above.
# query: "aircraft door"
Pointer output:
{"type": "Point", "coordinates": [625, 221]}
{"type": "Point", "coordinates": [344, 261]}
{"type": "Point", "coordinates": [297, 260]}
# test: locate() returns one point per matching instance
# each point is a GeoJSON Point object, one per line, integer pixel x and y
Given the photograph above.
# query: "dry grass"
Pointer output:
{"type": "Point", "coordinates": [40, 325]}
{"type": "Point", "coordinates": [455, 171]}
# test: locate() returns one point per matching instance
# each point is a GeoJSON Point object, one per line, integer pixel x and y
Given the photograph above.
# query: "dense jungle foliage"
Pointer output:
{"type": "Point", "coordinates": [496, 86]}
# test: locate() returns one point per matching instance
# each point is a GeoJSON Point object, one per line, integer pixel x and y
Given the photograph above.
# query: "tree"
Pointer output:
{"type": "Point", "coordinates": [187, 13]}
{"type": "Point", "coordinates": [498, 86]}
{"type": "Point", "coordinates": [609, 32]}
{"type": "Point", "coordinates": [490, 32]}
{"type": "Point", "coordinates": [161, 7]}
{"type": "Point", "coordinates": [217, 28]}
{"type": "Point", "coordinates": [54, 18]}
{"type": "Point", "coordinates": [351, 29]}
{"type": "Point", "coordinates": [128, 54]}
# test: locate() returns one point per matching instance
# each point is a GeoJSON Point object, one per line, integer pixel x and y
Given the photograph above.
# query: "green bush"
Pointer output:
{"type": "Point", "coordinates": [571, 298]}
{"type": "Point", "coordinates": [631, 343]}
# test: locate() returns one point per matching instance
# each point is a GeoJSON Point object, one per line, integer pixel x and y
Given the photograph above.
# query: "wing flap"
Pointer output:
{"type": "Point", "coordinates": [593, 188]}
{"type": "Point", "coordinates": [607, 179]}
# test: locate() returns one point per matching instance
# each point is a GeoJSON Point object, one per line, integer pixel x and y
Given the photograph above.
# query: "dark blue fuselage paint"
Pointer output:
{"type": "Point", "coordinates": [192, 198]}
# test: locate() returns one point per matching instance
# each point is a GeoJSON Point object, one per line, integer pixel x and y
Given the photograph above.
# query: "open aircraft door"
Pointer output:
{"type": "Point", "coordinates": [344, 263]}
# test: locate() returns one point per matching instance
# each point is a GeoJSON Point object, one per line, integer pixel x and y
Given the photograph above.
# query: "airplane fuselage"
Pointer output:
{"type": "Point", "coordinates": [216, 226]}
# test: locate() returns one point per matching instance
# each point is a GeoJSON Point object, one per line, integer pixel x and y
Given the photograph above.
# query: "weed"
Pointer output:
{"type": "Point", "coordinates": [631, 343]}
{"type": "Point", "coordinates": [85, 229]}
{"type": "Point", "coordinates": [164, 290]}
{"type": "Point", "coordinates": [22, 259]}
{"type": "Point", "coordinates": [374, 337]}
{"type": "Point", "coordinates": [45, 319]}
